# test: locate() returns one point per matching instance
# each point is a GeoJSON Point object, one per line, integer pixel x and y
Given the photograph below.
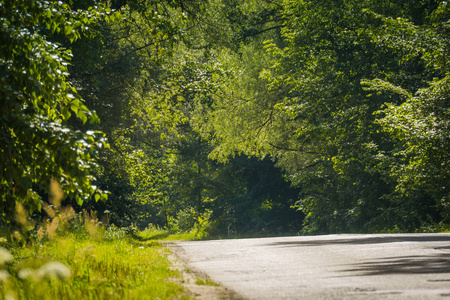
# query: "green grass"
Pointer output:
{"type": "Point", "coordinates": [200, 281]}
{"type": "Point", "coordinates": [157, 233]}
{"type": "Point", "coordinates": [101, 267]}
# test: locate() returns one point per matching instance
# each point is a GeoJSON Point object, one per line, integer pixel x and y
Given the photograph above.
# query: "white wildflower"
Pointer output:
{"type": "Point", "coordinates": [4, 275]}
{"type": "Point", "coordinates": [55, 269]}
{"type": "Point", "coordinates": [10, 296]}
{"type": "Point", "coordinates": [27, 273]}
{"type": "Point", "coordinates": [5, 256]}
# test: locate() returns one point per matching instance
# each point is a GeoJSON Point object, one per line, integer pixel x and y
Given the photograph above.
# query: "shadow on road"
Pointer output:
{"type": "Point", "coordinates": [430, 264]}
{"type": "Point", "coordinates": [436, 264]}
{"type": "Point", "coordinates": [365, 240]}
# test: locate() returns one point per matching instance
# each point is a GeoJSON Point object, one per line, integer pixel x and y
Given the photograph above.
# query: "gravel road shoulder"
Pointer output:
{"type": "Point", "coordinates": [198, 285]}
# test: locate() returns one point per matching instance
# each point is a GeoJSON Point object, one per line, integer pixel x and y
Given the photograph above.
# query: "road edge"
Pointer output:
{"type": "Point", "coordinates": [191, 275]}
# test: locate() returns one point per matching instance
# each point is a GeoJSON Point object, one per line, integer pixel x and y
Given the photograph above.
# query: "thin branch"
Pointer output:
{"type": "Point", "coordinates": [312, 165]}
{"type": "Point", "coordinates": [262, 31]}
{"type": "Point", "coordinates": [269, 118]}
{"type": "Point", "coordinates": [294, 150]}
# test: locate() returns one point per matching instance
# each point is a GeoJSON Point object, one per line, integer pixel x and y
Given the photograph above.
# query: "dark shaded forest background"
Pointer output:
{"type": "Point", "coordinates": [255, 116]}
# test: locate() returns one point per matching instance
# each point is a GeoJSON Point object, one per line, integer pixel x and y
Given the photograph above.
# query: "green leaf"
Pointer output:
{"type": "Point", "coordinates": [25, 182]}
{"type": "Point", "coordinates": [66, 113]}
{"type": "Point", "coordinates": [81, 114]}
{"type": "Point", "coordinates": [68, 30]}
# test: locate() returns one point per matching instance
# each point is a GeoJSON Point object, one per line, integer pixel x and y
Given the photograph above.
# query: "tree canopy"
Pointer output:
{"type": "Point", "coordinates": [254, 116]}
{"type": "Point", "coordinates": [37, 99]}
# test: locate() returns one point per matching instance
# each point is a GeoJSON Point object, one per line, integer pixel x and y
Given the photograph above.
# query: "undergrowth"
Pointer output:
{"type": "Point", "coordinates": [78, 267]}
{"type": "Point", "coordinates": [153, 232]}
{"type": "Point", "coordinates": [198, 230]}
{"type": "Point", "coordinates": [74, 256]}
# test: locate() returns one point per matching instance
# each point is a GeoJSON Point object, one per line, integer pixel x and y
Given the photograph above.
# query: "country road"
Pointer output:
{"type": "Point", "coordinates": [383, 266]}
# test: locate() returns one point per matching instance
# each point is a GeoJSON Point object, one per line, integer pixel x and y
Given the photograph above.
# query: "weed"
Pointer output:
{"type": "Point", "coordinates": [73, 256]}
{"type": "Point", "coordinates": [119, 268]}
{"type": "Point", "coordinates": [200, 281]}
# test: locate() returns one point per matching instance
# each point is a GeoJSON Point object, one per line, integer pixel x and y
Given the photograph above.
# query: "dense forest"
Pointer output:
{"type": "Point", "coordinates": [250, 116]}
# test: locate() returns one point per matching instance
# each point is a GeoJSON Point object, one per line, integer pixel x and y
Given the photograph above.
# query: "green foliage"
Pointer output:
{"type": "Point", "coordinates": [419, 125]}
{"type": "Point", "coordinates": [203, 101]}
{"type": "Point", "coordinates": [420, 162]}
{"type": "Point", "coordinates": [158, 164]}
{"type": "Point", "coordinates": [114, 268]}
{"type": "Point", "coordinates": [185, 220]}
{"type": "Point", "coordinates": [304, 103]}
{"type": "Point", "coordinates": [118, 71]}
{"type": "Point", "coordinates": [360, 196]}
{"type": "Point", "coordinates": [36, 102]}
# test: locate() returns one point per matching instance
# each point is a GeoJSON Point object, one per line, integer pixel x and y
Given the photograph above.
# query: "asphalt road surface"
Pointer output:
{"type": "Point", "coordinates": [384, 266]}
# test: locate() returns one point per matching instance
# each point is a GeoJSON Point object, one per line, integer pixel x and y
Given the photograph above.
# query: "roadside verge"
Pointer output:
{"type": "Point", "coordinates": [198, 284]}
